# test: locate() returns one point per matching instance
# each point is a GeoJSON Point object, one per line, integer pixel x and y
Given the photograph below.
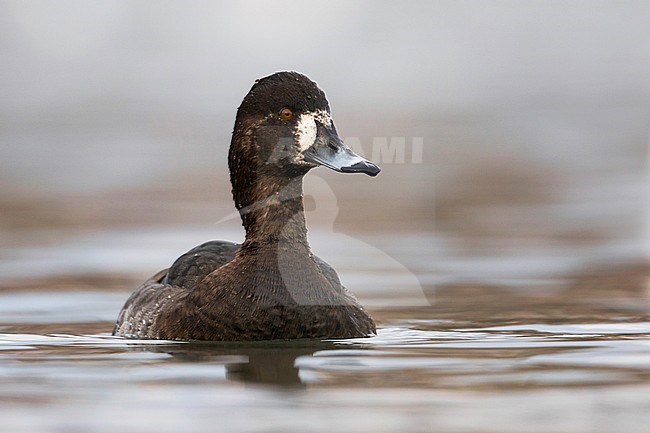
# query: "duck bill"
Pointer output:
{"type": "Point", "coordinates": [331, 152]}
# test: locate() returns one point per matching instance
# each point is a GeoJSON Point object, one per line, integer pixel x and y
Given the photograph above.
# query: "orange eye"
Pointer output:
{"type": "Point", "coordinates": [286, 113]}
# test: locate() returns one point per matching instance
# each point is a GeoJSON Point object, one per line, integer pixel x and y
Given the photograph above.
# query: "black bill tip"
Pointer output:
{"type": "Point", "coordinates": [366, 167]}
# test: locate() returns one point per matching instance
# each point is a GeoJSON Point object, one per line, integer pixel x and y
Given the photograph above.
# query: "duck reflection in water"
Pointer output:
{"type": "Point", "coordinates": [270, 363]}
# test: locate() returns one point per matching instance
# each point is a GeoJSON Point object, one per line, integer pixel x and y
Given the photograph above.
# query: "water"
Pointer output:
{"type": "Point", "coordinates": [529, 352]}
{"type": "Point", "coordinates": [419, 375]}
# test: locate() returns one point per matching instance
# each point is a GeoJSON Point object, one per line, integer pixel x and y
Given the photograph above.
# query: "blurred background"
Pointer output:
{"type": "Point", "coordinates": [115, 120]}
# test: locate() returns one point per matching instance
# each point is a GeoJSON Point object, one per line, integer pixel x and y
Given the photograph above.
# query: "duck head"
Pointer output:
{"type": "Point", "coordinates": [284, 127]}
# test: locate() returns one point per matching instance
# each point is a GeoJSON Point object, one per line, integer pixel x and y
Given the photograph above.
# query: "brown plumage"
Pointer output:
{"type": "Point", "coordinates": [271, 286]}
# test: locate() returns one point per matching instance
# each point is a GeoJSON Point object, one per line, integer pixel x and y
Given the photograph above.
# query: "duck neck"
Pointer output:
{"type": "Point", "coordinates": [272, 211]}
{"type": "Point", "coordinates": [267, 195]}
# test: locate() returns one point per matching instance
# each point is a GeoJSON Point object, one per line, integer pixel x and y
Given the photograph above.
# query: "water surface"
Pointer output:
{"type": "Point", "coordinates": [517, 351]}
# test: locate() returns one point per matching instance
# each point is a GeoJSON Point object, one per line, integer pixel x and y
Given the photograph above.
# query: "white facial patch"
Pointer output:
{"type": "Point", "coordinates": [306, 128]}
{"type": "Point", "coordinates": [323, 117]}
{"type": "Point", "coordinates": [306, 131]}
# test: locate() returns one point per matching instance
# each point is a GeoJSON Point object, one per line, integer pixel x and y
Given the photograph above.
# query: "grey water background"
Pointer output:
{"type": "Point", "coordinates": [507, 268]}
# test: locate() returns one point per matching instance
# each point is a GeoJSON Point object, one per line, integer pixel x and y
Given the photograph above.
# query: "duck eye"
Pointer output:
{"type": "Point", "coordinates": [286, 113]}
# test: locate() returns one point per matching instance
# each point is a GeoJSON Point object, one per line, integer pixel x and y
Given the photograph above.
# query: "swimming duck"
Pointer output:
{"type": "Point", "coordinates": [271, 286]}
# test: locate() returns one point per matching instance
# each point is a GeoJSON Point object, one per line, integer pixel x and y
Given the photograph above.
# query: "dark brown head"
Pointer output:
{"type": "Point", "coordinates": [284, 128]}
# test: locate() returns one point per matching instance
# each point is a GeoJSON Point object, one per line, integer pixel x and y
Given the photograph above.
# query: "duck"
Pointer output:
{"type": "Point", "coordinates": [271, 286]}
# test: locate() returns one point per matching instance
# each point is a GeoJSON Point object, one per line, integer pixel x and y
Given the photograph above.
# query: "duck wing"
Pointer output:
{"type": "Point", "coordinates": [190, 268]}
